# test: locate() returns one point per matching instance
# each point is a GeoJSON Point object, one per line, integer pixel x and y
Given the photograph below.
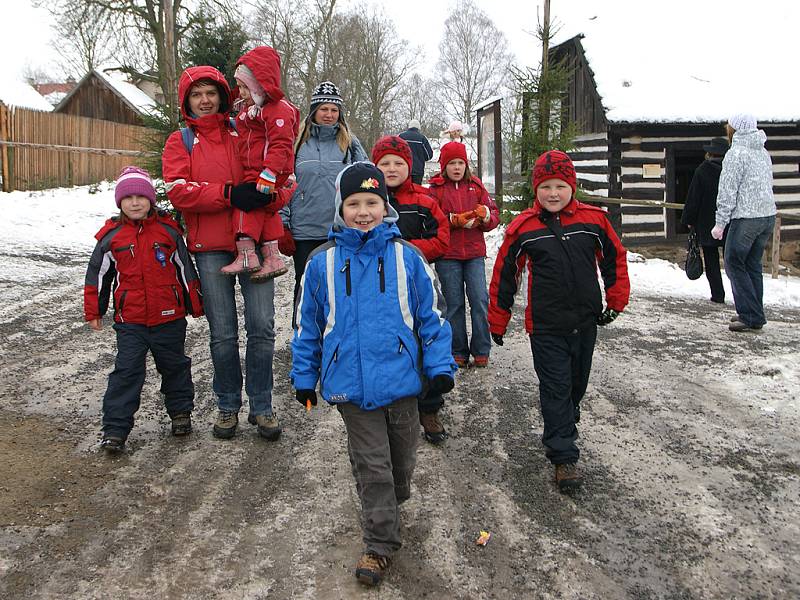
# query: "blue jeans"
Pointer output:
{"type": "Point", "coordinates": [744, 249]}
{"type": "Point", "coordinates": [219, 301]}
{"type": "Point", "coordinates": [455, 276]}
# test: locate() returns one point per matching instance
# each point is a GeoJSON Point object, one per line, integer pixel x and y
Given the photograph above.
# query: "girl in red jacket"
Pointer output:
{"type": "Point", "coordinates": [141, 261]}
{"type": "Point", "coordinates": [471, 212]}
{"type": "Point", "coordinates": [266, 126]}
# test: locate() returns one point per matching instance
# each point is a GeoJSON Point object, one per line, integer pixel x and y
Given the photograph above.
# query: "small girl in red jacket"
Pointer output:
{"type": "Point", "coordinates": [471, 213]}
{"type": "Point", "coordinates": [141, 261]}
{"type": "Point", "coordinates": [266, 128]}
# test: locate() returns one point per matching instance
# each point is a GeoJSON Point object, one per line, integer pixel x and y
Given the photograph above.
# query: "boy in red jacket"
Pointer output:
{"type": "Point", "coordinates": [422, 223]}
{"type": "Point", "coordinates": [141, 259]}
{"type": "Point", "coordinates": [563, 242]}
{"type": "Point", "coordinates": [266, 126]}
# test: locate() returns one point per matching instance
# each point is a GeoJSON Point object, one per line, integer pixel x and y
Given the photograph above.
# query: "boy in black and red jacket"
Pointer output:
{"type": "Point", "coordinates": [563, 242]}
{"type": "Point", "coordinates": [141, 261]}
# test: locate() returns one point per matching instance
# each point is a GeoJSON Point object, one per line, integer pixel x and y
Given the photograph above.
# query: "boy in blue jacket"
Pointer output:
{"type": "Point", "coordinates": [371, 323]}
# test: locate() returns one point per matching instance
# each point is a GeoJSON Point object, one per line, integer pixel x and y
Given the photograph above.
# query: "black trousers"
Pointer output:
{"type": "Point", "coordinates": [563, 364]}
{"type": "Point", "coordinates": [713, 273]}
{"type": "Point", "coordinates": [302, 249]}
{"type": "Point", "coordinates": [166, 343]}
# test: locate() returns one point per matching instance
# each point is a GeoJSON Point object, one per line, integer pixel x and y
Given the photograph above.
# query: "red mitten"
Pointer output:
{"type": "Point", "coordinates": [286, 243]}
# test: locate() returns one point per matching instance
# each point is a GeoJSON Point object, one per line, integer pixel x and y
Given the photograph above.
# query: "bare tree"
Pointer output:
{"type": "Point", "coordinates": [473, 59]}
{"type": "Point", "coordinates": [84, 39]}
{"type": "Point", "coordinates": [419, 98]}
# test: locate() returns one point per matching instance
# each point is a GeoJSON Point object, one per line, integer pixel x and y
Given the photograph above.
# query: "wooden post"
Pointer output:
{"type": "Point", "coordinates": [544, 103]}
{"type": "Point", "coordinates": [4, 149]}
{"type": "Point", "coordinates": [776, 247]}
{"type": "Point", "coordinates": [170, 56]}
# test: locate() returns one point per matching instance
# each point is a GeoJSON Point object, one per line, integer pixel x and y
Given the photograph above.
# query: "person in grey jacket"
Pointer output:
{"type": "Point", "coordinates": [745, 205]}
{"type": "Point", "coordinates": [421, 151]}
{"type": "Point", "coordinates": [324, 147]}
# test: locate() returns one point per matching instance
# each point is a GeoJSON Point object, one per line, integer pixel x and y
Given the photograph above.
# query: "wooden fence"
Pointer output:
{"type": "Point", "coordinates": [44, 150]}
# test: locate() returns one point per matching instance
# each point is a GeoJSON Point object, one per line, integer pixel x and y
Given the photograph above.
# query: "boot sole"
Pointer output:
{"type": "Point", "coordinates": [180, 432]}
{"type": "Point", "coordinates": [243, 271]}
{"type": "Point", "coordinates": [270, 434]}
{"type": "Point", "coordinates": [367, 577]}
{"type": "Point", "coordinates": [264, 278]}
{"type": "Point", "coordinates": [224, 434]}
{"type": "Point", "coordinates": [569, 485]}
{"type": "Point", "coordinates": [435, 438]}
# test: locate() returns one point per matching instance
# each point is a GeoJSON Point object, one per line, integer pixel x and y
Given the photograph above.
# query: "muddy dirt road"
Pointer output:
{"type": "Point", "coordinates": [689, 441]}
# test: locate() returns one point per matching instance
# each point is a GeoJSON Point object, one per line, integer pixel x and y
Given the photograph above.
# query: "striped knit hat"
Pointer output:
{"type": "Point", "coordinates": [133, 181]}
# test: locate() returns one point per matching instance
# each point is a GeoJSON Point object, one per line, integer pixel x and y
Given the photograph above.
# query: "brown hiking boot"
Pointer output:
{"type": "Point", "coordinates": [225, 425]}
{"type": "Point", "coordinates": [268, 426]}
{"type": "Point", "coordinates": [182, 424]}
{"type": "Point", "coordinates": [370, 568]}
{"type": "Point", "coordinates": [567, 477]}
{"type": "Point", "coordinates": [434, 430]}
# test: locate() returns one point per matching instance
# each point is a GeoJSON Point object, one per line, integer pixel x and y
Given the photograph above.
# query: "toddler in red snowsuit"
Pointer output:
{"type": "Point", "coordinates": [266, 128]}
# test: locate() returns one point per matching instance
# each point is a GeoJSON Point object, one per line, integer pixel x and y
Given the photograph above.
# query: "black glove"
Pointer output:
{"type": "Point", "coordinates": [607, 316]}
{"type": "Point", "coordinates": [246, 197]}
{"type": "Point", "coordinates": [441, 384]}
{"type": "Point", "coordinates": [497, 338]}
{"type": "Point", "coordinates": [304, 395]}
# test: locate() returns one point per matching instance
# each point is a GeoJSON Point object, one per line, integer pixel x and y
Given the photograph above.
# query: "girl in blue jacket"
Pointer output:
{"type": "Point", "coordinates": [371, 323]}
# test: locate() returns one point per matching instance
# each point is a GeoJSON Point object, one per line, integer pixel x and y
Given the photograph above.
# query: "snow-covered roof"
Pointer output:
{"type": "Point", "coordinates": [689, 61]}
{"type": "Point", "coordinates": [138, 100]}
{"type": "Point", "coordinates": [15, 92]}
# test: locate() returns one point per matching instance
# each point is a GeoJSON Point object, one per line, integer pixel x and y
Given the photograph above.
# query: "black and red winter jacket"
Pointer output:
{"type": "Point", "coordinates": [146, 266]}
{"type": "Point", "coordinates": [458, 197]}
{"type": "Point", "coordinates": [562, 252]}
{"type": "Point", "coordinates": [195, 181]}
{"type": "Point", "coordinates": [421, 220]}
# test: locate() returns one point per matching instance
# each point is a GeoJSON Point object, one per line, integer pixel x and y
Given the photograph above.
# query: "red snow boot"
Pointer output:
{"type": "Point", "coordinates": [246, 260]}
{"type": "Point", "coordinates": [272, 265]}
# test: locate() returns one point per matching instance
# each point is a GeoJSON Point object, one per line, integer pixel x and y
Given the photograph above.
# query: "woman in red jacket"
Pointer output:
{"type": "Point", "coordinates": [203, 181]}
{"type": "Point", "coordinates": [471, 213]}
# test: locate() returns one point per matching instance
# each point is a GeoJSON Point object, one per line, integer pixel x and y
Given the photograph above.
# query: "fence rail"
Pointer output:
{"type": "Point", "coordinates": [44, 150]}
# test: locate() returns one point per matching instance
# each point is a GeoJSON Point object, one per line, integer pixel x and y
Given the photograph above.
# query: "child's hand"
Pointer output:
{"type": "Point", "coordinates": [497, 339]}
{"type": "Point", "coordinates": [441, 384]}
{"type": "Point", "coordinates": [482, 213]}
{"type": "Point", "coordinates": [464, 220]}
{"type": "Point", "coordinates": [96, 324]}
{"type": "Point", "coordinates": [265, 182]}
{"type": "Point", "coordinates": [607, 316]}
{"type": "Point", "coordinates": [304, 396]}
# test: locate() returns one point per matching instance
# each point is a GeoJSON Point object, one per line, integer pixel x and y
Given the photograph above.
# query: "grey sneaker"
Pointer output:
{"type": "Point", "coordinates": [225, 426]}
{"type": "Point", "coordinates": [268, 426]}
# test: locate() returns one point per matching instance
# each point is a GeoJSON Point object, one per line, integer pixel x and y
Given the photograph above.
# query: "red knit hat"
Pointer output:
{"type": "Point", "coordinates": [554, 164]}
{"type": "Point", "coordinates": [451, 151]}
{"type": "Point", "coordinates": [392, 144]}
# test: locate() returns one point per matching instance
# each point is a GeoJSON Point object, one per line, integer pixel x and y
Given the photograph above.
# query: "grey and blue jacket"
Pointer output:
{"type": "Point", "coordinates": [319, 160]}
{"type": "Point", "coordinates": [371, 320]}
{"type": "Point", "coordinates": [745, 184]}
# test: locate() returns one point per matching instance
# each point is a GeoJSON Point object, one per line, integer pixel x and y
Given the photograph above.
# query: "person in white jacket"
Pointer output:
{"type": "Point", "coordinates": [746, 206]}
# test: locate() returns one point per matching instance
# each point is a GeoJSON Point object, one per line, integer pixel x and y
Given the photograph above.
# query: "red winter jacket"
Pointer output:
{"type": "Point", "coordinates": [562, 252]}
{"type": "Point", "coordinates": [195, 182]}
{"type": "Point", "coordinates": [421, 220]}
{"type": "Point", "coordinates": [266, 141]}
{"type": "Point", "coordinates": [459, 197]}
{"type": "Point", "coordinates": [146, 267]}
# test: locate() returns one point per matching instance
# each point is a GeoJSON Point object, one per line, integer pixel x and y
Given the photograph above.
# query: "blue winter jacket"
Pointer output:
{"type": "Point", "coordinates": [319, 160]}
{"type": "Point", "coordinates": [371, 320]}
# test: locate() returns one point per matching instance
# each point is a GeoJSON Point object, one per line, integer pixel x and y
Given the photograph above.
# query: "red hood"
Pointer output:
{"type": "Point", "coordinates": [265, 64]}
{"type": "Point", "coordinates": [194, 74]}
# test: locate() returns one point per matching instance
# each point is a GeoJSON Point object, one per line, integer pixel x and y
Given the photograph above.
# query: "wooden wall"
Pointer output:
{"type": "Point", "coordinates": [27, 168]}
{"type": "Point", "coordinates": [581, 103]}
{"type": "Point", "coordinates": [95, 100]}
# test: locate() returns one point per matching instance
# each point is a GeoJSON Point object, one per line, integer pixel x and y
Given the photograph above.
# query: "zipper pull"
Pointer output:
{"type": "Point", "coordinates": [131, 249]}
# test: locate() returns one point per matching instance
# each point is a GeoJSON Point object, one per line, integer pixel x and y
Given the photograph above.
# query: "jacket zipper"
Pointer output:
{"type": "Point", "coordinates": [177, 298]}
{"type": "Point", "coordinates": [124, 248]}
{"type": "Point", "coordinates": [380, 274]}
{"type": "Point", "coordinates": [122, 302]}
{"type": "Point", "coordinates": [346, 270]}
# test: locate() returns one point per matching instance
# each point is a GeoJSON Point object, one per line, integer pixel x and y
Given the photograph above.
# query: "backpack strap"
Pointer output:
{"type": "Point", "coordinates": [187, 135]}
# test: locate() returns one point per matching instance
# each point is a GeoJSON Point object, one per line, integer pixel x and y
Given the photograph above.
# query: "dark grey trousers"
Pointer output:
{"type": "Point", "coordinates": [382, 445]}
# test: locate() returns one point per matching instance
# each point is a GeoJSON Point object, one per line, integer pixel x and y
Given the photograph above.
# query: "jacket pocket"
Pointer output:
{"type": "Point", "coordinates": [329, 364]}
{"type": "Point", "coordinates": [120, 305]}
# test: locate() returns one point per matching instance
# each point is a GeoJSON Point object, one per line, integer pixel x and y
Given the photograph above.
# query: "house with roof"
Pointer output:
{"type": "Point", "coordinates": [645, 106]}
{"type": "Point", "coordinates": [108, 97]}
{"type": "Point", "coordinates": [14, 91]}
{"type": "Point", "coordinates": [55, 91]}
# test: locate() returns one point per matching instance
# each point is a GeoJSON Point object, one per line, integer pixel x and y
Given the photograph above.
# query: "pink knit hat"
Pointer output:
{"type": "Point", "coordinates": [133, 181]}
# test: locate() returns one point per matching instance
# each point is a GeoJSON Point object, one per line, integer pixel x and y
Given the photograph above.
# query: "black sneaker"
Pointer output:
{"type": "Point", "coordinates": [182, 424]}
{"type": "Point", "coordinates": [567, 477]}
{"type": "Point", "coordinates": [371, 567]}
{"type": "Point", "coordinates": [112, 444]}
{"type": "Point", "coordinates": [225, 426]}
{"type": "Point", "coordinates": [435, 432]}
